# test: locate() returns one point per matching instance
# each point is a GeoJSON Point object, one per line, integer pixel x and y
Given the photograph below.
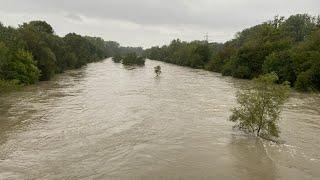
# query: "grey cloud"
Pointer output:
{"type": "Point", "coordinates": [74, 17]}
{"type": "Point", "coordinates": [219, 18]}
{"type": "Point", "coordinates": [221, 13]}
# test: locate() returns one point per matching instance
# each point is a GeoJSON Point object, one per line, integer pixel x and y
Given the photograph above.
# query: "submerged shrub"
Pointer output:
{"type": "Point", "coordinates": [260, 107]}
{"type": "Point", "coordinates": [117, 59]}
{"type": "Point", "coordinates": [133, 59]}
{"type": "Point", "coordinates": [157, 70]}
{"type": "Point", "coordinates": [10, 85]}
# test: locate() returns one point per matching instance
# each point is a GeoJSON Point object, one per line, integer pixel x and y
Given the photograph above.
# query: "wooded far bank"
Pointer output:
{"type": "Point", "coordinates": [33, 52]}
{"type": "Point", "coordinates": [289, 47]}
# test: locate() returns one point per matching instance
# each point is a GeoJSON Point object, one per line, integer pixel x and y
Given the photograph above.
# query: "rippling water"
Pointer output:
{"type": "Point", "coordinates": [105, 121]}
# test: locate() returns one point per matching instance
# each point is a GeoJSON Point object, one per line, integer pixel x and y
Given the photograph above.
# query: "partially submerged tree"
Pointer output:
{"type": "Point", "coordinates": [157, 70]}
{"type": "Point", "coordinates": [260, 107]}
{"type": "Point", "coordinates": [9, 85]}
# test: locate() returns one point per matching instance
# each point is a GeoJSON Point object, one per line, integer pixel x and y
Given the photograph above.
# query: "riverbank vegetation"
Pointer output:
{"type": "Point", "coordinates": [260, 106]}
{"type": "Point", "coordinates": [33, 52]}
{"type": "Point", "coordinates": [8, 86]}
{"type": "Point", "coordinates": [289, 47]}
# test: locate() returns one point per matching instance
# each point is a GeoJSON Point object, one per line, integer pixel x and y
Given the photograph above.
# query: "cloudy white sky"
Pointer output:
{"type": "Point", "coordinates": [152, 22]}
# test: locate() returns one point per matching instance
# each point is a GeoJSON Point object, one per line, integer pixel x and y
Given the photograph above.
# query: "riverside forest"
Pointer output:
{"type": "Point", "coordinates": [289, 47]}
{"type": "Point", "coordinates": [82, 107]}
{"type": "Point", "coordinates": [32, 53]}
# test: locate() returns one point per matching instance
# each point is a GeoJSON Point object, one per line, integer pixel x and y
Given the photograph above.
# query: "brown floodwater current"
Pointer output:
{"type": "Point", "coordinates": [106, 121]}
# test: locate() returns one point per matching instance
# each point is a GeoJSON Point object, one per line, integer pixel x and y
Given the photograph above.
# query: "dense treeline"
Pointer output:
{"type": "Point", "coordinates": [194, 54]}
{"type": "Point", "coordinates": [32, 52]}
{"type": "Point", "coordinates": [289, 47]}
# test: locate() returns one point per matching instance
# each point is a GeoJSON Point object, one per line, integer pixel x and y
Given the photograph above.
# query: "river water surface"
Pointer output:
{"type": "Point", "coordinates": [105, 121]}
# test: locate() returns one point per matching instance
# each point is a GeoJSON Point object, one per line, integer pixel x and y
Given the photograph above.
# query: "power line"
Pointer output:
{"type": "Point", "coordinates": [206, 37]}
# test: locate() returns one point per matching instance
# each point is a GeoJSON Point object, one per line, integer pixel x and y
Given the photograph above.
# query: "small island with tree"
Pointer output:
{"type": "Point", "coordinates": [117, 58]}
{"type": "Point", "coordinates": [132, 59]}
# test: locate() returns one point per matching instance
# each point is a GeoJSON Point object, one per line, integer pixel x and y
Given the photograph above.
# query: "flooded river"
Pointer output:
{"type": "Point", "coordinates": [105, 121]}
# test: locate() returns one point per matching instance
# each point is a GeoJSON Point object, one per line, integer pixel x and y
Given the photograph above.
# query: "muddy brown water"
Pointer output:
{"type": "Point", "coordinates": [106, 121]}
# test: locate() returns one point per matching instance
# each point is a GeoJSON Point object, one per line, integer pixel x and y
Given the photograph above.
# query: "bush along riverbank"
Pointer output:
{"type": "Point", "coordinates": [289, 47]}
{"type": "Point", "coordinates": [33, 52]}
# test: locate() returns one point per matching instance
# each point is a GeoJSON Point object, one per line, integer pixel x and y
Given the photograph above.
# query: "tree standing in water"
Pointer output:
{"type": "Point", "coordinates": [157, 70]}
{"type": "Point", "coordinates": [260, 107]}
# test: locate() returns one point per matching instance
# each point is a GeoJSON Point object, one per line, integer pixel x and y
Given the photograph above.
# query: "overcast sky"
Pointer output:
{"type": "Point", "coordinates": [152, 22]}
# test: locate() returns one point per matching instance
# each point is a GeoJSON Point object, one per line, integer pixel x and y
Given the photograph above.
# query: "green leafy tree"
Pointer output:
{"type": "Point", "coordinates": [282, 64]}
{"type": "Point", "coordinates": [3, 58]}
{"type": "Point", "coordinates": [81, 47]}
{"type": "Point", "coordinates": [23, 68]}
{"type": "Point", "coordinates": [221, 57]}
{"type": "Point", "coordinates": [70, 59]}
{"type": "Point", "coordinates": [39, 26]}
{"type": "Point", "coordinates": [229, 66]}
{"type": "Point", "coordinates": [46, 62]}
{"type": "Point", "coordinates": [298, 26]}
{"type": "Point", "coordinates": [305, 58]}
{"type": "Point", "coordinates": [260, 107]}
{"type": "Point", "coordinates": [35, 36]}
{"type": "Point", "coordinates": [59, 48]}
{"type": "Point", "coordinates": [309, 80]}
